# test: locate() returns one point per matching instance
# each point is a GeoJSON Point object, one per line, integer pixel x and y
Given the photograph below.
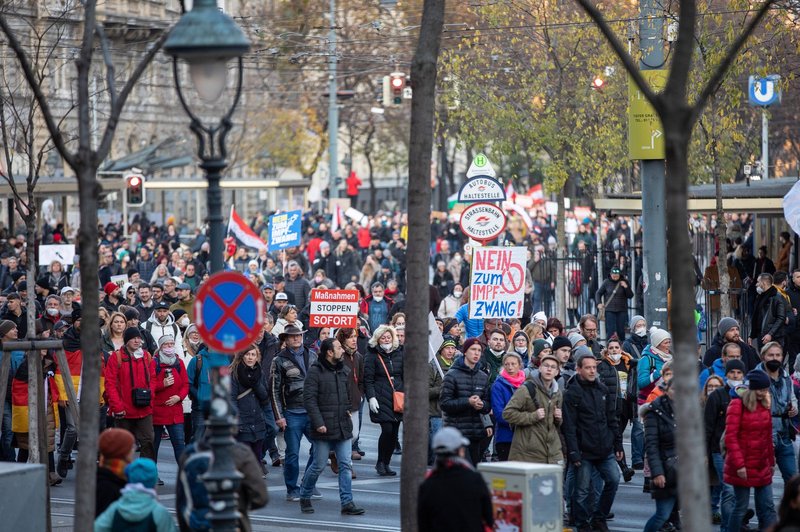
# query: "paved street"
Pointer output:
{"type": "Point", "coordinates": [379, 496]}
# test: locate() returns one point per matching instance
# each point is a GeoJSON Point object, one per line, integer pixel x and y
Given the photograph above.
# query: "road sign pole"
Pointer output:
{"type": "Point", "coordinates": [653, 181]}
{"type": "Point", "coordinates": [764, 144]}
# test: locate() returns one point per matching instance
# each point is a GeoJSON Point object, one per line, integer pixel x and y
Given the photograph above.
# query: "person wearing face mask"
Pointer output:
{"type": "Point", "coordinates": [614, 370]}
{"type": "Point", "coordinates": [130, 368]}
{"type": "Point", "coordinates": [654, 355]}
{"type": "Point", "coordinates": [784, 407]}
{"type": "Point", "coordinates": [172, 387]}
{"type": "Point", "coordinates": [377, 306]}
{"type": "Point", "coordinates": [714, 413]}
{"type": "Point", "coordinates": [450, 304]}
{"type": "Point", "coordinates": [52, 314]}
{"type": "Point", "coordinates": [769, 314]}
{"type": "Point", "coordinates": [321, 279]}
{"type": "Point", "coordinates": [520, 344]}
{"type": "Point", "coordinates": [182, 320]}
{"type": "Point", "coordinates": [636, 342]}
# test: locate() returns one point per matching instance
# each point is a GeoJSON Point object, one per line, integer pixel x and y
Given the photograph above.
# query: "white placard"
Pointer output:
{"type": "Point", "coordinates": [497, 282]}
{"type": "Point", "coordinates": [63, 253]}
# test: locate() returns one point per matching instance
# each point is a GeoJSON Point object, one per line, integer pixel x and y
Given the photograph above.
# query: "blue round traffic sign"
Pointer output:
{"type": "Point", "coordinates": [229, 312]}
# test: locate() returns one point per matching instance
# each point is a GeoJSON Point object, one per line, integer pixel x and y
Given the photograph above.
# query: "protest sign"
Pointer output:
{"type": "Point", "coordinates": [497, 282]}
{"type": "Point", "coordinates": [284, 230]}
{"type": "Point", "coordinates": [334, 308]}
{"type": "Point", "coordinates": [63, 253]}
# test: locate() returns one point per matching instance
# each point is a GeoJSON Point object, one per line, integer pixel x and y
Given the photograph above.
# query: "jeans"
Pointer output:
{"type": "Point", "coordinates": [176, 436]}
{"type": "Point", "coordinates": [69, 438]}
{"type": "Point", "coordinates": [609, 472]}
{"type": "Point", "coordinates": [637, 441]}
{"type": "Point", "coordinates": [726, 501]}
{"type": "Point", "coordinates": [434, 424]}
{"type": "Point", "coordinates": [765, 508]}
{"type": "Point", "coordinates": [199, 424]}
{"type": "Point", "coordinates": [538, 297]}
{"type": "Point", "coordinates": [663, 510]}
{"type": "Point", "coordinates": [784, 456]}
{"type": "Point", "coordinates": [6, 436]}
{"type": "Point", "coordinates": [322, 448]}
{"type": "Point", "coordinates": [615, 323]}
{"type": "Point", "coordinates": [297, 426]}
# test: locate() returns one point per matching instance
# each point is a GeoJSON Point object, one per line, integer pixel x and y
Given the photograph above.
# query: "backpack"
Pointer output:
{"type": "Point", "coordinates": [147, 524]}
{"type": "Point", "coordinates": [575, 283]}
{"type": "Point", "coordinates": [532, 391]}
{"type": "Point", "coordinates": [192, 500]}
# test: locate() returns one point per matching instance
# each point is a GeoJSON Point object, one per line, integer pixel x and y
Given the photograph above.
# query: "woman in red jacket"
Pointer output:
{"type": "Point", "coordinates": [750, 456]}
{"type": "Point", "coordinates": [172, 386]}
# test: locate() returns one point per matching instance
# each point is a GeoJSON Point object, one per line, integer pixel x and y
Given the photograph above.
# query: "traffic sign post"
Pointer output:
{"type": "Point", "coordinates": [334, 308]}
{"type": "Point", "coordinates": [229, 312]}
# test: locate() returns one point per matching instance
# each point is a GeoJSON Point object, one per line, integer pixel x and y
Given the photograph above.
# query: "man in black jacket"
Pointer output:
{"type": "Point", "coordinates": [326, 397]}
{"type": "Point", "coordinates": [769, 314]}
{"type": "Point", "coordinates": [728, 332]}
{"type": "Point", "coordinates": [594, 443]}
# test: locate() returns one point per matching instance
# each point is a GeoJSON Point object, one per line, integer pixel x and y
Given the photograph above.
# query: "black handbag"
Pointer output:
{"type": "Point", "coordinates": [141, 396]}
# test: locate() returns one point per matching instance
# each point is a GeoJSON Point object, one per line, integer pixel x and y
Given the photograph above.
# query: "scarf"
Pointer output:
{"type": "Point", "coordinates": [248, 377]}
{"type": "Point", "coordinates": [115, 465]}
{"type": "Point", "coordinates": [167, 360]}
{"type": "Point", "coordinates": [139, 487]}
{"type": "Point", "coordinates": [515, 382]}
{"type": "Point", "coordinates": [666, 357]}
{"type": "Point", "coordinates": [446, 363]}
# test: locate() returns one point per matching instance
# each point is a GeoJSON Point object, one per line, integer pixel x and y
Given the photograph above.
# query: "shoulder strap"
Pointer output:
{"type": "Point", "coordinates": [605, 301]}
{"type": "Point", "coordinates": [532, 391]}
{"type": "Point", "coordinates": [391, 383]}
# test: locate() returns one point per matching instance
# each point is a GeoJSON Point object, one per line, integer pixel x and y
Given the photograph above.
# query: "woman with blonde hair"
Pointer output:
{"type": "Point", "coordinates": [112, 337]}
{"type": "Point", "coordinates": [249, 394]}
{"type": "Point", "coordinates": [714, 382]}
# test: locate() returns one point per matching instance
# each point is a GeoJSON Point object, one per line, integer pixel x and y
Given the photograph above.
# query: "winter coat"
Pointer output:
{"type": "Point", "coordinates": [355, 379]}
{"type": "Point", "coordinates": [454, 498]}
{"type": "Point", "coordinates": [448, 307]}
{"type": "Point", "coordinates": [326, 396]}
{"type": "Point", "coordinates": [163, 414]}
{"type": "Point", "coordinates": [377, 385]}
{"type": "Point", "coordinates": [286, 390]}
{"type": "Point", "coordinates": [535, 440]}
{"type": "Point", "coordinates": [197, 373]}
{"type": "Point", "coordinates": [590, 425]}
{"type": "Point", "coordinates": [615, 377]}
{"type": "Point", "coordinates": [252, 425]}
{"type": "Point", "coordinates": [748, 444]}
{"type": "Point", "coordinates": [659, 443]}
{"type": "Point", "coordinates": [781, 390]}
{"type": "Point", "coordinates": [717, 368]}
{"type": "Point", "coordinates": [346, 267]}
{"type": "Point", "coordinates": [435, 380]}
{"type": "Point", "coordinates": [619, 303]}
{"type": "Point", "coordinates": [107, 489]}
{"type": "Point", "coordinates": [647, 374]}
{"type": "Point", "coordinates": [714, 417]}
{"type": "Point", "coordinates": [750, 357]}
{"type": "Point", "coordinates": [634, 345]}
{"type": "Point", "coordinates": [769, 315]}
{"type": "Point", "coordinates": [135, 506]}
{"type": "Point", "coordinates": [461, 383]}
{"type": "Point", "coordinates": [491, 364]}
{"type": "Point", "coordinates": [120, 385]}
{"type": "Point", "coordinates": [502, 390]}
{"type": "Point", "coordinates": [157, 330]}
{"type": "Point", "coordinates": [300, 288]}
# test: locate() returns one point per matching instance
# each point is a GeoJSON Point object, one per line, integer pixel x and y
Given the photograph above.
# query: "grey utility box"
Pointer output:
{"type": "Point", "coordinates": [23, 504]}
{"type": "Point", "coordinates": [526, 497]}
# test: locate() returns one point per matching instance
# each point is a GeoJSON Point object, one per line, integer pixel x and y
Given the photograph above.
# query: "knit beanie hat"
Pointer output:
{"type": "Point", "coordinates": [757, 380]}
{"type": "Point", "coordinates": [164, 339]}
{"type": "Point", "coordinates": [6, 326]}
{"type": "Point", "coordinates": [634, 320]}
{"type": "Point", "coordinates": [142, 471]}
{"type": "Point", "coordinates": [539, 345]}
{"type": "Point", "coordinates": [733, 364]}
{"type": "Point", "coordinates": [469, 342]}
{"type": "Point", "coordinates": [540, 316]}
{"type": "Point", "coordinates": [109, 287]}
{"type": "Point", "coordinates": [130, 334]}
{"type": "Point", "coordinates": [448, 342]}
{"type": "Point", "coordinates": [658, 335]}
{"type": "Point", "coordinates": [562, 341]}
{"type": "Point", "coordinates": [725, 325]}
{"type": "Point", "coordinates": [190, 329]}
{"type": "Point", "coordinates": [115, 443]}
{"type": "Point", "coordinates": [574, 338]}
{"type": "Point", "coordinates": [580, 353]}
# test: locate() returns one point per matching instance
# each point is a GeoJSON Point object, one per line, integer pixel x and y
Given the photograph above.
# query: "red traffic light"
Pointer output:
{"type": "Point", "coordinates": [398, 82]}
{"type": "Point", "coordinates": [134, 181]}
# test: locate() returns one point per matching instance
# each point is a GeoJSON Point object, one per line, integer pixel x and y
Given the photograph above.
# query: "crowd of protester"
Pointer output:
{"type": "Point", "coordinates": [539, 389]}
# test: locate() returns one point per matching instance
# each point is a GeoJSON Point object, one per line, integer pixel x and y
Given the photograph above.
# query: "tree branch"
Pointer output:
{"type": "Point", "coordinates": [722, 69]}
{"type": "Point", "coordinates": [36, 88]}
{"type": "Point", "coordinates": [627, 60]}
{"type": "Point", "coordinates": [116, 110]}
{"type": "Point", "coordinates": [112, 88]}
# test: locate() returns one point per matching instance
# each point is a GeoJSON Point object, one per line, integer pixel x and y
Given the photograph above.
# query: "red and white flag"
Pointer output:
{"type": "Point", "coordinates": [511, 195]}
{"type": "Point", "coordinates": [337, 220]}
{"type": "Point", "coordinates": [246, 236]}
{"type": "Point", "coordinates": [537, 193]}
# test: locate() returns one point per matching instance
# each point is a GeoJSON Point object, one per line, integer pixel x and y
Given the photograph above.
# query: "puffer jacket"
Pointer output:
{"type": "Point", "coordinates": [502, 390]}
{"type": "Point", "coordinates": [377, 385]}
{"type": "Point", "coordinates": [326, 396]}
{"type": "Point", "coordinates": [659, 443]}
{"type": "Point", "coordinates": [615, 377]}
{"type": "Point", "coordinates": [648, 373]}
{"type": "Point", "coordinates": [748, 442]}
{"type": "Point", "coordinates": [535, 440]}
{"type": "Point", "coordinates": [714, 417]}
{"type": "Point", "coordinates": [286, 390]}
{"type": "Point", "coordinates": [590, 425]}
{"type": "Point", "coordinates": [461, 383]}
{"type": "Point", "coordinates": [135, 506]}
{"type": "Point", "coordinates": [252, 425]}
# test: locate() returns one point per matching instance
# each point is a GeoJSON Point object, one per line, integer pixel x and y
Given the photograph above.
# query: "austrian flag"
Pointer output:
{"type": "Point", "coordinates": [246, 236]}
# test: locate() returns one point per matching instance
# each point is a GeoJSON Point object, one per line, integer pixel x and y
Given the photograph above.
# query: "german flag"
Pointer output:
{"type": "Point", "coordinates": [75, 363]}
{"type": "Point", "coordinates": [19, 399]}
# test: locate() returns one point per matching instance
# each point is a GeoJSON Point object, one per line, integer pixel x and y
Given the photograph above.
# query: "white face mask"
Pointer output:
{"type": "Point", "coordinates": [139, 353]}
{"type": "Point", "coordinates": [615, 358]}
{"type": "Point", "coordinates": [318, 279]}
{"type": "Point", "coordinates": [53, 312]}
{"type": "Point", "coordinates": [386, 347]}
{"type": "Point", "coordinates": [168, 351]}
{"type": "Point", "coordinates": [640, 331]}
{"type": "Point", "coordinates": [457, 295]}
{"type": "Point", "coordinates": [759, 290]}
{"type": "Point", "coordinates": [377, 299]}
{"type": "Point", "coordinates": [184, 321]}
{"type": "Point", "coordinates": [521, 350]}
{"type": "Point", "coordinates": [734, 384]}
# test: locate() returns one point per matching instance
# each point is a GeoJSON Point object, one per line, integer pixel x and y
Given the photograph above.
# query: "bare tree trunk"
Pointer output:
{"type": "Point", "coordinates": [692, 479]}
{"type": "Point", "coordinates": [722, 259]}
{"type": "Point", "coordinates": [561, 254]}
{"type": "Point", "coordinates": [423, 76]}
{"type": "Point", "coordinates": [35, 456]}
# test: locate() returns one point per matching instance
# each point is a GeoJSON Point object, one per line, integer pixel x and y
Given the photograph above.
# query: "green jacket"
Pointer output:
{"type": "Point", "coordinates": [535, 440]}
{"type": "Point", "coordinates": [435, 386]}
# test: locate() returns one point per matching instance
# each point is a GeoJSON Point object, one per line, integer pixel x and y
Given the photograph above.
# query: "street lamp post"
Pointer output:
{"type": "Point", "coordinates": [207, 39]}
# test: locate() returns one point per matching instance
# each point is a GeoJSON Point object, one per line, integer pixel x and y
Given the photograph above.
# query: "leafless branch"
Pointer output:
{"type": "Point", "coordinates": [112, 88]}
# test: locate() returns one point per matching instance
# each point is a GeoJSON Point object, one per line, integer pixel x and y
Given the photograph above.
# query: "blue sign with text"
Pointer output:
{"type": "Point", "coordinates": [284, 230]}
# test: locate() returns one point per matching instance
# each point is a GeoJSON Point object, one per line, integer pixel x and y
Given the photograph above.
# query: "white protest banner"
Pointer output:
{"type": "Point", "coordinates": [63, 253]}
{"type": "Point", "coordinates": [435, 340]}
{"type": "Point", "coordinates": [119, 280]}
{"type": "Point", "coordinates": [334, 308]}
{"type": "Point", "coordinates": [497, 287]}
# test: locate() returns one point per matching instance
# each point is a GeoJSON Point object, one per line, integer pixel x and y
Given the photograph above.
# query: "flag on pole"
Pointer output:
{"type": "Point", "coordinates": [537, 193]}
{"type": "Point", "coordinates": [511, 195]}
{"type": "Point", "coordinates": [337, 220]}
{"type": "Point", "coordinates": [246, 236]}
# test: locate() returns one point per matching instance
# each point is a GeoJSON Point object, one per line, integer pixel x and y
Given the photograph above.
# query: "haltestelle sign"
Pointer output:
{"type": "Point", "coordinates": [483, 221]}
{"type": "Point", "coordinates": [481, 188]}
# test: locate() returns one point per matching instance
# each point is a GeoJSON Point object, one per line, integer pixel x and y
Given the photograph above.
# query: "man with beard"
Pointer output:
{"type": "Point", "coordinates": [111, 301]}
{"type": "Point", "coordinates": [728, 332]}
{"type": "Point", "coordinates": [145, 305]}
{"type": "Point", "coordinates": [492, 357]}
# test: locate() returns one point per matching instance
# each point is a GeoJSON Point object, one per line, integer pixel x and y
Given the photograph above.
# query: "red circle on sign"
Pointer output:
{"type": "Point", "coordinates": [497, 226]}
{"type": "Point", "coordinates": [239, 308]}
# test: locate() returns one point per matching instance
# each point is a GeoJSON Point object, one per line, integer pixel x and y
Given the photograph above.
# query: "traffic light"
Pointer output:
{"type": "Point", "coordinates": [134, 190]}
{"type": "Point", "coordinates": [598, 83]}
{"type": "Point", "coordinates": [393, 87]}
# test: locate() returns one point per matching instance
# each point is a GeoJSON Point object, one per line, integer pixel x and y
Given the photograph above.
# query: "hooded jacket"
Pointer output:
{"type": "Point", "coordinates": [326, 397]}
{"type": "Point", "coordinates": [717, 368]}
{"type": "Point", "coordinates": [157, 330]}
{"type": "Point", "coordinates": [461, 383]}
{"type": "Point", "coordinates": [648, 373]}
{"type": "Point", "coordinates": [535, 440]}
{"type": "Point", "coordinates": [134, 506]}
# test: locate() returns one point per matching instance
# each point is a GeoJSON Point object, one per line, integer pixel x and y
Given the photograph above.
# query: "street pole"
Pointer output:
{"type": "Point", "coordinates": [764, 144]}
{"type": "Point", "coordinates": [333, 109]}
{"type": "Point", "coordinates": [654, 244]}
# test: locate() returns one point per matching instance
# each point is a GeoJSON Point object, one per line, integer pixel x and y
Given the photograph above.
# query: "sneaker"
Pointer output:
{"type": "Point", "coordinates": [334, 463]}
{"type": "Point", "coordinates": [160, 482]}
{"type": "Point", "coordinates": [292, 497]}
{"type": "Point", "coordinates": [397, 449]}
{"type": "Point", "coordinates": [305, 506]}
{"type": "Point", "coordinates": [716, 518]}
{"type": "Point", "coordinates": [351, 509]}
{"type": "Point", "coordinates": [316, 495]}
{"type": "Point", "coordinates": [628, 474]}
{"type": "Point", "coordinates": [62, 467]}
{"type": "Point", "coordinates": [390, 472]}
{"type": "Point", "coordinates": [748, 515]}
